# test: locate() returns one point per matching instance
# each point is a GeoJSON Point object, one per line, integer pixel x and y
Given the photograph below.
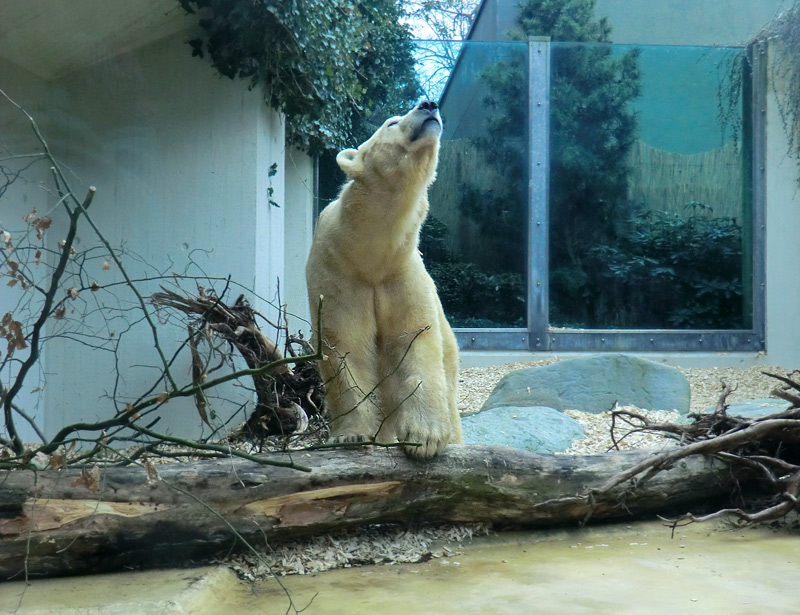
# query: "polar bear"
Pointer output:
{"type": "Point", "coordinates": [391, 366]}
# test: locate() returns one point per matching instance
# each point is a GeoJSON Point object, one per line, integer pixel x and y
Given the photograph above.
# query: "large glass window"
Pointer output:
{"type": "Point", "coordinates": [649, 207]}
{"type": "Point", "coordinates": [595, 196]}
{"type": "Point", "coordinates": [475, 240]}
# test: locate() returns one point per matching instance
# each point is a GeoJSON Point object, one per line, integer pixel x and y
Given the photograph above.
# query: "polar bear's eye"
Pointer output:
{"type": "Point", "coordinates": [394, 123]}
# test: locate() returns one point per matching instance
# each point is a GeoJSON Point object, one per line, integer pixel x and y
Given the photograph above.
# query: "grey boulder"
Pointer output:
{"type": "Point", "coordinates": [536, 429]}
{"type": "Point", "coordinates": [755, 408]}
{"type": "Point", "coordinates": [593, 384]}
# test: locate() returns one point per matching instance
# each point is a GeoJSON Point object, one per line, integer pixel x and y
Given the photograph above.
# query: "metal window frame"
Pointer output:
{"type": "Point", "coordinates": [540, 336]}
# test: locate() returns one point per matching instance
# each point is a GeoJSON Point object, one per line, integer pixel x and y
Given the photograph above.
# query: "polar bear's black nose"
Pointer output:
{"type": "Point", "coordinates": [428, 105]}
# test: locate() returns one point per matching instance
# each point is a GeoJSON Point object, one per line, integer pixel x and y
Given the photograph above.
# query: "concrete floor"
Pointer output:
{"type": "Point", "coordinates": [639, 568]}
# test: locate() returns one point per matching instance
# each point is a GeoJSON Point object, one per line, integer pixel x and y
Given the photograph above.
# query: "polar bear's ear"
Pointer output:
{"type": "Point", "coordinates": [350, 162]}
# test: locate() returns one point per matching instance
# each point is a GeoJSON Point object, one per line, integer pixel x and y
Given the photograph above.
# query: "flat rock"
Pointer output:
{"type": "Point", "coordinates": [537, 429]}
{"type": "Point", "coordinates": [593, 384]}
{"type": "Point", "coordinates": [755, 408]}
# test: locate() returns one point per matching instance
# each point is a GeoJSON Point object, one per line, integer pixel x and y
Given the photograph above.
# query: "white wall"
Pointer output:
{"type": "Point", "coordinates": [269, 217]}
{"type": "Point", "coordinates": [783, 233]}
{"type": "Point", "coordinates": [180, 157]}
{"type": "Point", "coordinates": [18, 200]}
{"type": "Point", "coordinates": [299, 233]}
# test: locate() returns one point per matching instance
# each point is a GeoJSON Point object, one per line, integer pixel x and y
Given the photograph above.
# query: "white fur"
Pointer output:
{"type": "Point", "coordinates": [392, 359]}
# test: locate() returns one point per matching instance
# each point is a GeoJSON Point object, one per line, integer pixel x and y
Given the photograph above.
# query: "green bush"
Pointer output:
{"type": "Point", "coordinates": [681, 270]}
{"type": "Point", "coordinates": [470, 296]}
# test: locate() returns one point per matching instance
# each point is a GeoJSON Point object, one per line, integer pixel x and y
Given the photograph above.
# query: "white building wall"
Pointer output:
{"type": "Point", "coordinates": [782, 244]}
{"type": "Point", "coordinates": [270, 211]}
{"type": "Point", "coordinates": [180, 157]}
{"type": "Point", "coordinates": [299, 233]}
{"type": "Point", "coordinates": [174, 151]}
{"type": "Point", "coordinates": [20, 198]}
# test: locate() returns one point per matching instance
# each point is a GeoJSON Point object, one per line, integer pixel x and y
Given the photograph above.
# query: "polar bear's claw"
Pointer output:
{"type": "Point", "coordinates": [425, 447]}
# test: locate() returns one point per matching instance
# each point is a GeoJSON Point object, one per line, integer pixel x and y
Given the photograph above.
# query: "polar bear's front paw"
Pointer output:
{"type": "Point", "coordinates": [427, 444]}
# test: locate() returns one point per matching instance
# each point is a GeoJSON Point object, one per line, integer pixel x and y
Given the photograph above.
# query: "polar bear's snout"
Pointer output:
{"type": "Point", "coordinates": [429, 120]}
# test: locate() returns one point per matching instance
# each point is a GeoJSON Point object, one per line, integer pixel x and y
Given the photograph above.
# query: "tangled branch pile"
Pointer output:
{"type": "Point", "coordinates": [287, 397]}
{"type": "Point", "coordinates": [765, 450]}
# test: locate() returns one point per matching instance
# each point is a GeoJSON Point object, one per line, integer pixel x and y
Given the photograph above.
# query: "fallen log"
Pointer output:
{"type": "Point", "coordinates": [75, 521]}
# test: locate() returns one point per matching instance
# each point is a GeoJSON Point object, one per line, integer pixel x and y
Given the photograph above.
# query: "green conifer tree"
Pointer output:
{"type": "Point", "coordinates": [592, 130]}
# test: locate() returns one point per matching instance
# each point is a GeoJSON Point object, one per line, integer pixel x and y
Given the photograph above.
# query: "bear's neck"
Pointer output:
{"type": "Point", "coordinates": [385, 224]}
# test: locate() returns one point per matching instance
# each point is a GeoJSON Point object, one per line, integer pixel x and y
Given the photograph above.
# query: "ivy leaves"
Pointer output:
{"type": "Point", "coordinates": [323, 63]}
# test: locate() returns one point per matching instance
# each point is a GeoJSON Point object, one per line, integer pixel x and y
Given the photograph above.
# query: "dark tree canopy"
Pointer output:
{"type": "Point", "coordinates": [325, 64]}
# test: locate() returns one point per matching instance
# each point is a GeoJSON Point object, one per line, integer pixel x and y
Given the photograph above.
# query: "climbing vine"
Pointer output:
{"type": "Point", "coordinates": [785, 71]}
{"type": "Point", "coordinates": [324, 64]}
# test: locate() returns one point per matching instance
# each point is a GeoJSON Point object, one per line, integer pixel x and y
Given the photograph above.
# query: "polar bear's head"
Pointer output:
{"type": "Point", "coordinates": [404, 151]}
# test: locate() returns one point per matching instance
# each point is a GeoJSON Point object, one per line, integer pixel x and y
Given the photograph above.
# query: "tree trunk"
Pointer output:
{"type": "Point", "coordinates": [69, 522]}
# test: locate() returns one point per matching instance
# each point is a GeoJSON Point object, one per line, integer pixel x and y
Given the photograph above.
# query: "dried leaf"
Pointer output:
{"type": "Point", "coordinates": [105, 266]}
{"type": "Point", "coordinates": [12, 282]}
{"type": "Point", "coordinates": [58, 458]}
{"type": "Point", "coordinates": [198, 377]}
{"type": "Point", "coordinates": [14, 266]}
{"type": "Point", "coordinates": [63, 244]}
{"type": "Point", "coordinates": [73, 293]}
{"type": "Point", "coordinates": [9, 246]}
{"type": "Point", "coordinates": [89, 478]}
{"type": "Point", "coordinates": [152, 472]}
{"type": "Point", "coordinates": [38, 258]}
{"type": "Point", "coordinates": [129, 409]}
{"type": "Point", "coordinates": [163, 398]}
{"type": "Point", "coordinates": [12, 331]}
{"type": "Point", "coordinates": [41, 225]}
{"type": "Point", "coordinates": [60, 312]}
{"type": "Point", "coordinates": [95, 287]}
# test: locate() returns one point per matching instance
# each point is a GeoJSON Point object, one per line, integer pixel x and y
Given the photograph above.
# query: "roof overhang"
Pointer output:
{"type": "Point", "coordinates": [53, 38]}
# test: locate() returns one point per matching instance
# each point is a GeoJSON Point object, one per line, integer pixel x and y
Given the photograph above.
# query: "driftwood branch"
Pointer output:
{"type": "Point", "coordinates": [768, 447]}
{"type": "Point", "coordinates": [77, 521]}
